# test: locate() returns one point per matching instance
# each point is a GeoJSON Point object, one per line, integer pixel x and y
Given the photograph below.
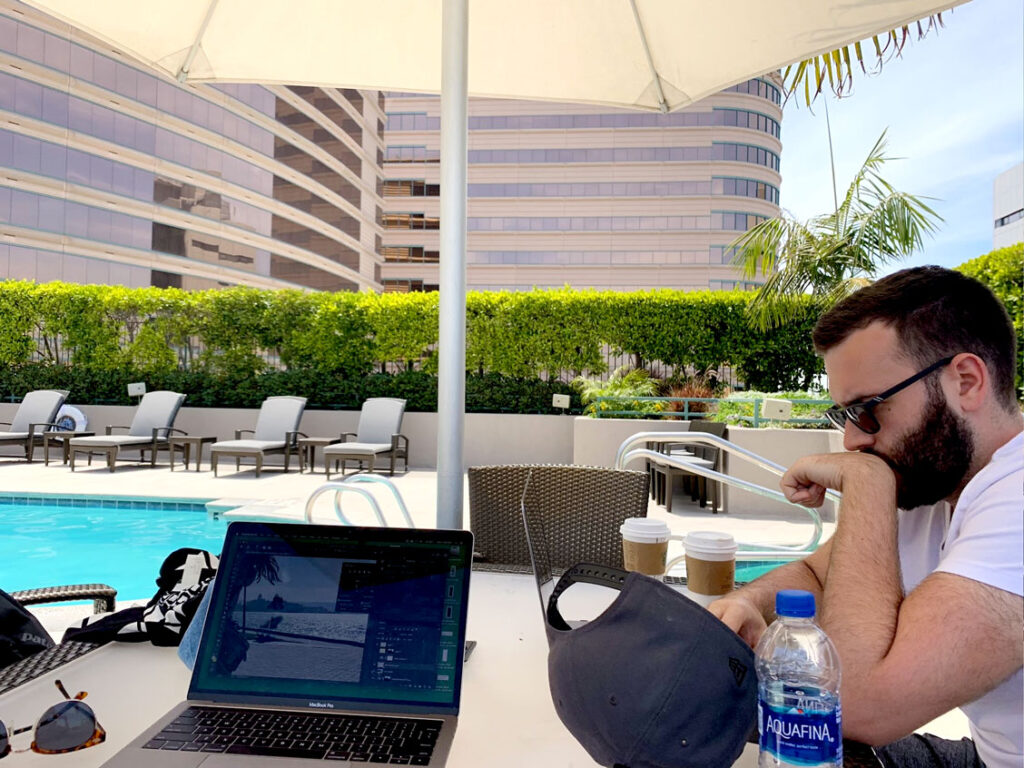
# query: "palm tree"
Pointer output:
{"type": "Point", "coordinates": [833, 254]}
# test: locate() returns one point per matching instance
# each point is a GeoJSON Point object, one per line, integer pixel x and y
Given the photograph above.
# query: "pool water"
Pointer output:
{"type": "Point", "coordinates": [120, 541]}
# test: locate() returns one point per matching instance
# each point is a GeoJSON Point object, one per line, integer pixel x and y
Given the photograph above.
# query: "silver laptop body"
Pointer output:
{"type": "Point", "coordinates": [352, 628]}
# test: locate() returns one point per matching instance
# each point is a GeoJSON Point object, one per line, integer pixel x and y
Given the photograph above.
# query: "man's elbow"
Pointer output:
{"type": "Point", "coordinates": [871, 719]}
{"type": "Point", "coordinates": [872, 730]}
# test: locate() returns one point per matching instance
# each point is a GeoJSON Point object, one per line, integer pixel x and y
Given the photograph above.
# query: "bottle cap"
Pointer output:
{"type": "Point", "coordinates": [794, 602]}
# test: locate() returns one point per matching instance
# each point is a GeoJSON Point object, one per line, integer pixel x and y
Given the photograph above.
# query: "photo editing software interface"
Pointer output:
{"type": "Point", "coordinates": [339, 617]}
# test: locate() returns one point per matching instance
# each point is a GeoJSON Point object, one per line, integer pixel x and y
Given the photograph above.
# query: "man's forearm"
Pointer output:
{"type": "Point", "coordinates": [796, 575]}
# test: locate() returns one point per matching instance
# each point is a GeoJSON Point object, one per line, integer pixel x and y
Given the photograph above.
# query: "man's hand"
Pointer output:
{"type": "Point", "coordinates": [807, 480]}
{"type": "Point", "coordinates": [741, 616]}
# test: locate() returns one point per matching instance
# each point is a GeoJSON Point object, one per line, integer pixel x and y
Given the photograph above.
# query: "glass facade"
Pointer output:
{"type": "Point", "coordinates": [193, 186]}
{"type": "Point", "coordinates": [586, 196]}
{"type": "Point", "coordinates": [719, 116]}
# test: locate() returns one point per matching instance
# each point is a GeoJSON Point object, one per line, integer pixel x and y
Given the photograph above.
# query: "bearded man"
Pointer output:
{"type": "Point", "coordinates": [920, 588]}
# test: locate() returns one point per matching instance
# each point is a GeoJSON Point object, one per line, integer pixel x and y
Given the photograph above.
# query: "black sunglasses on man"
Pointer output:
{"type": "Point", "coordinates": [862, 413]}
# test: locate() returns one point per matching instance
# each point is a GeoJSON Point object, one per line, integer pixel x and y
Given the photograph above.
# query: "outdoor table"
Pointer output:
{"type": "Point", "coordinates": [186, 443]}
{"type": "Point", "coordinates": [62, 436]}
{"type": "Point", "coordinates": [307, 451]}
{"type": "Point", "coordinates": [506, 720]}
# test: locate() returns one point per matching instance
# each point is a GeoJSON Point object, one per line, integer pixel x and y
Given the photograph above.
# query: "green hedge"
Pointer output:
{"type": "Point", "coordinates": [1002, 270]}
{"type": "Point", "coordinates": [236, 346]}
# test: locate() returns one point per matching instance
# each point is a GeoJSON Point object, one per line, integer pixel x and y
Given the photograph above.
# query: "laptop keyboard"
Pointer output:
{"type": "Point", "coordinates": [360, 739]}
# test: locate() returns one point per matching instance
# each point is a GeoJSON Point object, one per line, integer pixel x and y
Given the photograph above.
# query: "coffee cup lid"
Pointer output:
{"type": "Point", "coordinates": [711, 545]}
{"type": "Point", "coordinates": [645, 530]}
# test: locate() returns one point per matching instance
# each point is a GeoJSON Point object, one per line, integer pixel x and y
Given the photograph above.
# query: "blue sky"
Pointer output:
{"type": "Point", "coordinates": [954, 107]}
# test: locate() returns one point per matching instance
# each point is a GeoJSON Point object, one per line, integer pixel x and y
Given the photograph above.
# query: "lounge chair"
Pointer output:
{"type": "Point", "coordinates": [378, 437]}
{"type": "Point", "coordinates": [277, 431]}
{"type": "Point", "coordinates": [581, 508]}
{"type": "Point", "coordinates": [149, 430]}
{"type": "Point", "coordinates": [34, 416]}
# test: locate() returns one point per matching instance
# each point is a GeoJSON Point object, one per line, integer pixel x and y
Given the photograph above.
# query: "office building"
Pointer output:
{"type": "Point", "coordinates": [114, 173]}
{"type": "Point", "coordinates": [586, 196]}
{"type": "Point", "coordinates": [1008, 207]}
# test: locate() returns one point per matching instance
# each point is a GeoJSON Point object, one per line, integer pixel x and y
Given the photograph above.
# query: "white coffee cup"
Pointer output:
{"type": "Point", "coordinates": [710, 565]}
{"type": "Point", "coordinates": [645, 545]}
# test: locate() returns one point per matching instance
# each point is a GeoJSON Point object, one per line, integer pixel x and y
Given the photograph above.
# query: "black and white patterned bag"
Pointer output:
{"type": "Point", "coordinates": [184, 577]}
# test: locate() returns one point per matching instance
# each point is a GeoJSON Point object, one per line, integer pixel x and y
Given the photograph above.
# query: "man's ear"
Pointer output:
{"type": "Point", "coordinates": [972, 381]}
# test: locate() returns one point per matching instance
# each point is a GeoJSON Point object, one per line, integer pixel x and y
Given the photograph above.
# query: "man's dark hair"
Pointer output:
{"type": "Point", "coordinates": [935, 312]}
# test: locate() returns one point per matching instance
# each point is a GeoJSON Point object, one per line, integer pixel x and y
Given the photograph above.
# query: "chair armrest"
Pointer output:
{"type": "Point", "coordinates": [176, 431]}
{"type": "Point", "coordinates": [111, 427]}
{"type": "Point", "coordinates": [346, 435]}
{"type": "Point", "coordinates": [240, 432]}
{"type": "Point", "coordinates": [394, 443]}
{"type": "Point", "coordinates": [291, 439]}
{"type": "Point", "coordinates": [49, 425]}
{"type": "Point", "coordinates": [5, 423]}
{"type": "Point", "coordinates": [102, 595]}
{"type": "Point", "coordinates": [160, 433]}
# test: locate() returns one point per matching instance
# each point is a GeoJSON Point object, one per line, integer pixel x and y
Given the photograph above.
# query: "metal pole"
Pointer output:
{"type": "Point", "coordinates": [451, 377]}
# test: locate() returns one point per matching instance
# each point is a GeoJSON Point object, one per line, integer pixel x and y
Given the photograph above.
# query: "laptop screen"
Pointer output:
{"type": "Point", "coordinates": [331, 617]}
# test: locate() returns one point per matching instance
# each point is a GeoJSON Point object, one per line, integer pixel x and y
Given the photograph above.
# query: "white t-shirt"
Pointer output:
{"type": "Point", "coordinates": [983, 541]}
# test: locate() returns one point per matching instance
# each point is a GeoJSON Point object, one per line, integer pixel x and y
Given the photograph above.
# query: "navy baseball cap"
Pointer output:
{"type": "Point", "coordinates": [655, 681]}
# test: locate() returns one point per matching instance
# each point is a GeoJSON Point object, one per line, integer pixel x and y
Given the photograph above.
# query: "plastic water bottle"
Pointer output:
{"type": "Point", "coordinates": [798, 713]}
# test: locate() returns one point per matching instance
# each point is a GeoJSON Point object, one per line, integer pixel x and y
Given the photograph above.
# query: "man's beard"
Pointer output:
{"type": "Point", "coordinates": [932, 460]}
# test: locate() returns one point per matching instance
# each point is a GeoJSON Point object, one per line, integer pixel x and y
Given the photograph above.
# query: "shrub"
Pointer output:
{"type": "Point", "coordinates": [621, 389]}
{"type": "Point", "coordinates": [1002, 270]}
{"type": "Point", "coordinates": [242, 342]}
{"type": "Point", "coordinates": [732, 411]}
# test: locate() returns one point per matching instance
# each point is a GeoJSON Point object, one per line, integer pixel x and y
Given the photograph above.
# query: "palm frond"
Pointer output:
{"type": "Point", "coordinates": [837, 66]}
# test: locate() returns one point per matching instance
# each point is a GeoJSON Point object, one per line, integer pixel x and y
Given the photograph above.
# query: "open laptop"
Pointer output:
{"type": "Point", "coordinates": [323, 642]}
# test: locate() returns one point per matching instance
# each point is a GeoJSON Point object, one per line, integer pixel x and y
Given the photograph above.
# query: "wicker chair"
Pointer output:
{"type": "Point", "coordinates": [40, 663]}
{"type": "Point", "coordinates": [582, 508]}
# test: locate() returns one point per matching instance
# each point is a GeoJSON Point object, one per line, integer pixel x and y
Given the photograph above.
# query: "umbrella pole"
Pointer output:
{"type": "Point", "coordinates": [451, 379]}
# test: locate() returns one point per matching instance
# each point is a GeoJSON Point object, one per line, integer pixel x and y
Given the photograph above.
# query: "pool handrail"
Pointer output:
{"type": "Point", "coordinates": [747, 551]}
{"type": "Point", "coordinates": [340, 488]}
{"type": "Point", "coordinates": [369, 477]}
{"type": "Point", "coordinates": [349, 485]}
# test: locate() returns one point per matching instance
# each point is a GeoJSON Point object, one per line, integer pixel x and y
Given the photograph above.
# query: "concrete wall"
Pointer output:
{"type": "Point", "coordinates": [490, 438]}
{"type": "Point", "coordinates": [783, 446]}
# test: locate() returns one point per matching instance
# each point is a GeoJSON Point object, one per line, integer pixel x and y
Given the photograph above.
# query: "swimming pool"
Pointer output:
{"type": "Point", "coordinates": [49, 540]}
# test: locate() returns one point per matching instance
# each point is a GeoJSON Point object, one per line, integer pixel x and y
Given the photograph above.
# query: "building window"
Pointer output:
{"type": "Point", "coordinates": [410, 188]}
{"type": "Point", "coordinates": [410, 253]}
{"type": "Point", "coordinates": [411, 221]}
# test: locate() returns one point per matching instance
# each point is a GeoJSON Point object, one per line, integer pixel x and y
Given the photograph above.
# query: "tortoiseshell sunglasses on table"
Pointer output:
{"type": "Point", "coordinates": [65, 727]}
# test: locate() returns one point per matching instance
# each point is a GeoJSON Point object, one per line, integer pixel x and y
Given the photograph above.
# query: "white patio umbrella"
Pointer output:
{"type": "Point", "coordinates": [642, 54]}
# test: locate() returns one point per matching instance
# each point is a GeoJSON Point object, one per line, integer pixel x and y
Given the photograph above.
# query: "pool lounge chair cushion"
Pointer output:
{"type": "Point", "coordinates": [37, 407]}
{"type": "Point", "coordinates": [362, 449]}
{"type": "Point", "coordinates": [106, 441]}
{"type": "Point", "coordinates": [246, 446]}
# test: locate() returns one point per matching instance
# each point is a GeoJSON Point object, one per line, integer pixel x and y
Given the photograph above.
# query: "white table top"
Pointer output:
{"type": "Point", "coordinates": [504, 684]}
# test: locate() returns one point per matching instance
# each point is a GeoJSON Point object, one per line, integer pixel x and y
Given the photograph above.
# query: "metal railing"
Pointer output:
{"type": "Point", "coordinates": [687, 413]}
{"type": "Point", "coordinates": [747, 551]}
{"type": "Point", "coordinates": [348, 485]}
